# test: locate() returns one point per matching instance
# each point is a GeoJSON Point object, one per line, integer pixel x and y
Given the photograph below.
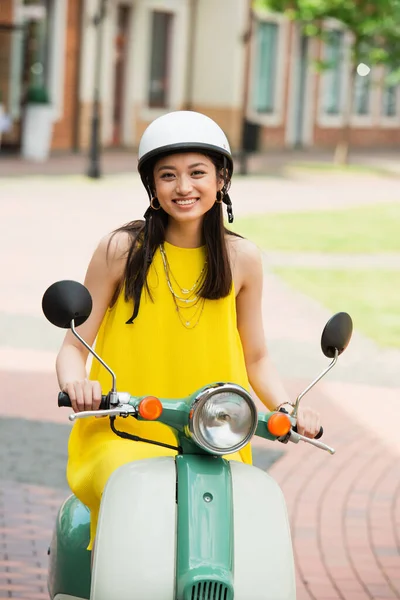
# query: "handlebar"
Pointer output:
{"type": "Point", "coordinates": [317, 437]}
{"type": "Point", "coordinates": [64, 400]}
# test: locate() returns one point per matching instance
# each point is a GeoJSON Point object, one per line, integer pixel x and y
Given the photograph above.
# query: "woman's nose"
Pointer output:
{"type": "Point", "coordinates": [183, 185]}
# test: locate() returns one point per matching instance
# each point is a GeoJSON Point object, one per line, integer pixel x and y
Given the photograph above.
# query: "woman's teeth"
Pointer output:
{"type": "Point", "coordinates": [185, 202]}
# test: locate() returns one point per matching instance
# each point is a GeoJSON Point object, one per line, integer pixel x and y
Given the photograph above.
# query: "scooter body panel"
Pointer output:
{"type": "Point", "coordinates": [134, 555]}
{"type": "Point", "coordinates": [69, 564]}
{"type": "Point", "coordinates": [205, 528]}
{"type": "Point", "coordinates": [146, 549]}
{"type": "Point", "coordinates": [263, 564]}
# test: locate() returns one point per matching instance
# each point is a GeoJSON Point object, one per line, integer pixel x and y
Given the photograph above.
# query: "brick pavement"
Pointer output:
{"type": "Point", "coordinates": [27, 514]}
{"type": "Point", "coordinates": [344, 510]}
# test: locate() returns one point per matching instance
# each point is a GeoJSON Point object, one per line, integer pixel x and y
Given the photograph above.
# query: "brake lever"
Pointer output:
{"type": "Point", "coordinates": [122, 411]}
{"type": "Point", "coordinates": [297, 437]}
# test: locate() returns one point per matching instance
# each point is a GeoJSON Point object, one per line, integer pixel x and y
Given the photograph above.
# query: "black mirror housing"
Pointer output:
{"type": "Point", "coordinates": [337, 334]}
{"type": "Point", "coordinates": [65, 301]}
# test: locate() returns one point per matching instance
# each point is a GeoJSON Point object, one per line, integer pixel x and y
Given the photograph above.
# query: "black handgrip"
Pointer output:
{"type": "Point", "coordinates": [319, 434]}
{"type": "Point", "coordinates": [63, 400]}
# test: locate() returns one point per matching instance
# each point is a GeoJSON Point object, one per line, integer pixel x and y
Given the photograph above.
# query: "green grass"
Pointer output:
{"type": "Point", "coordinates": [366, 229]}
{"type": "Point", "coordinates": [349, 168]}
{"type": "Point", "coordinates": [372, 298]}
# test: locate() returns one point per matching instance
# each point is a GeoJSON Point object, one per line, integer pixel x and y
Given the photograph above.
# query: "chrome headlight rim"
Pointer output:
{"type": "Point", "coordinates": [199, 402]}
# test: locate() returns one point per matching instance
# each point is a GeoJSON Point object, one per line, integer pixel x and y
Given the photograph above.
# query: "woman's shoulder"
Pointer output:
{"type": "Point", "coordinates": [117, 244]}
{"type": "Point", "coordinates": [113, 249]}
{"type": "Point", "coordinates": [246, 261]}
{"type": "Point", "coordinates": [243, 249]}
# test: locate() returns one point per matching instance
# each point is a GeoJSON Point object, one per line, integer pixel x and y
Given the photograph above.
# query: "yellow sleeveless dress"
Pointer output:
{"type": "Point", "coordinates": [159, 356]}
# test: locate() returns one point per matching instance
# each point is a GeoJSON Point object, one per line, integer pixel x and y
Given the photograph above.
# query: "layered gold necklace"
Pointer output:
{"type": "Point", "coordinates": [189, 300]}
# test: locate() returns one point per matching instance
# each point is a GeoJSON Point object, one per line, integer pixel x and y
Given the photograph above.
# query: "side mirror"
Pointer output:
{"type": "Point", "coordinates": [337, 334]}
{"type": "Point", "coordinates": [335, 338]}
{"type": "Point", "coordinates": [65, 301]}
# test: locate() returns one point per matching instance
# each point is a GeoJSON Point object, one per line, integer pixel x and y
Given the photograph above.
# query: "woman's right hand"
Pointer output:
{"type": "Point", "coordinates": [84, 394]}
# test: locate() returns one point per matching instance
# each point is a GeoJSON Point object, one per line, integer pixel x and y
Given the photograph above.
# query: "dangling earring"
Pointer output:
{"type": "Point", "coordinates": [220, 197]}
{"type": "Point", "coordinates": [229, 210]}
{"type": "Point", "coordinates": [152, 203]}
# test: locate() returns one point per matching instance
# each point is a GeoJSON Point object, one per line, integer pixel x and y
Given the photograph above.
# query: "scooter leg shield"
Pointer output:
{"type": "Point", "coordinates": [263, 554]}
{"type": "Point", "coordinates": [136, 534]}
{"type": "Point", "coordinates": [69, 559]}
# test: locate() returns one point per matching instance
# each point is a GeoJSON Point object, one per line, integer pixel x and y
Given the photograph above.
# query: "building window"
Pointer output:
{"type": "Point", "coordinates": [37, 16]}
{"type": "Point", "coordinates": [333, 77]}
{"type": "Point", "coordinates": [265, 72]}
{"type": "Point", "coordinates": [159, 65]}
{"type": "Point", "coordinates": [389, 100]}
{"type": "Point", "coordinates": [361, 94]}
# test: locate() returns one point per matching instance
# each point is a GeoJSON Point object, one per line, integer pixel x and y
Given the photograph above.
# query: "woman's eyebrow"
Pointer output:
{"type": "Point", "coordinates": [170, 167]}
{"type": "Point", "coordinates": [166, 167]}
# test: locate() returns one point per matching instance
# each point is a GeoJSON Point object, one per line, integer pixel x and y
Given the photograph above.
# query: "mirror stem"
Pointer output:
{"type": "Point", "coordinates": [113, 399]}
{"type": "Point", "coordinates": [333, 363]}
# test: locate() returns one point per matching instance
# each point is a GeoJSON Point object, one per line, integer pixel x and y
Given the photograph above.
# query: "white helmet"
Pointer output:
{"type": "Point", "coordinates": [182, 130]}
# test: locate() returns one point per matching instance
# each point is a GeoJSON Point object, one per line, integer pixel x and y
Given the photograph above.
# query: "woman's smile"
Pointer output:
{"type": "Point", "coordinates": [185, 202]}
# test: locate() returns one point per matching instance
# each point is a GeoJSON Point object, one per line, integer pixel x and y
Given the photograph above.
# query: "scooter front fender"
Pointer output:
{"type": "Point", "coordinates": [134, 555]}
{"type": "Point", "coordinates": [263, 558]}
{"type": "Point", "coordinates": [135, 551]}
{"type": "Point", "coordinates": [69, 560]}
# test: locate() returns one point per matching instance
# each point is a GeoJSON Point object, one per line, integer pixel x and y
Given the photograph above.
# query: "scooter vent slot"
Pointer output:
{"type": "Point", "coordinates": [209, 590]}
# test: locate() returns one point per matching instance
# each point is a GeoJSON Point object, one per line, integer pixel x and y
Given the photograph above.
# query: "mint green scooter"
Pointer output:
{"type": "Point", "coordinates": [190, 527]}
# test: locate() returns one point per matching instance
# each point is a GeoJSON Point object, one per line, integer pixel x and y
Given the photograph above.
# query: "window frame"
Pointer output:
{"type": "Point", "coordinates": [270, 105]}
{"type": "Point", "coordinates": [324, 119]}
{"type": "Point", "coordinates": [274, 118]}
{"type": "Point", "coordinates": [168, 58]}
{"type": "Point", "coordinates": [334, 77]}
{"type": "Point", "coordinates": [388, 121]}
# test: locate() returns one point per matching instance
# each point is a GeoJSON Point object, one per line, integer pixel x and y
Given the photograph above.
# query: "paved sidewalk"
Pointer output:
{"type": "Point", "coordinates": [344, 509]}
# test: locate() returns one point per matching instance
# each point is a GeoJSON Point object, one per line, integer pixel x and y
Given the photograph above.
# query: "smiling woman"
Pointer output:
{"type": "Point", "coordinates": [176, 305]}
{"type": "Point", "coordinates": [186, 186]}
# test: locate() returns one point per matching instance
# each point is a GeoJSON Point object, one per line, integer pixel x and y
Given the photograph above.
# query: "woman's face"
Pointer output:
{"type": "Point", "coordinates": [186, 185]}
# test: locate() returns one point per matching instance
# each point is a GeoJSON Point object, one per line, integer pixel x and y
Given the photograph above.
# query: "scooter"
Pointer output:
{"type": "Point", "coordinates": [191, 527]}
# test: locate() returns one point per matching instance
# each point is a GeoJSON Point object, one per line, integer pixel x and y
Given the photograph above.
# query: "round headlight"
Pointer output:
{"type": "Point", "coordinates": [223, 419]}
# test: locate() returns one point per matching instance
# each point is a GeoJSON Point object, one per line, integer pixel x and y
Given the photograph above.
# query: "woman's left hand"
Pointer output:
{"type": "Point", "coordinates": [308, 422]}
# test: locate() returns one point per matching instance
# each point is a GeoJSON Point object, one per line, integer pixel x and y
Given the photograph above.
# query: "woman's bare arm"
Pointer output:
{"type": "Point", "coordinates": [263, 377]}
{"type": "Point", "coordinates": [105, 271]}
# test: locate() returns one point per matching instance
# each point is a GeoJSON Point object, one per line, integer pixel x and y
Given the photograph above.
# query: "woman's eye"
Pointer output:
{"type": "Point", "coordinates": [167, 175]}
{"type": "Point", "coordinates": [198, 173]}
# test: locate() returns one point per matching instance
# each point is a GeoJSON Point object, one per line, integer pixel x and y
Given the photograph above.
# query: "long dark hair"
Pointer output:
{"type": "Point", "coordinates": [146, 236]}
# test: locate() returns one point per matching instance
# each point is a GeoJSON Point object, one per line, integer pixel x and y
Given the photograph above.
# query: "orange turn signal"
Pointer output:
{"type": "Point", "coordinates": [150, 408]}
{"type": "Point", "coordinates": [279, 424]}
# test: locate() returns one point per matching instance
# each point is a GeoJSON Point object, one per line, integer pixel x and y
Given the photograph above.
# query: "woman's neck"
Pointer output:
{"type": "Point", "coordinates": [184, 235]}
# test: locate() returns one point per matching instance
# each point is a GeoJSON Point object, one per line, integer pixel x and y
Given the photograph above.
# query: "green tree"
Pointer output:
{"type": "Point", "coordinates": [374, 26]}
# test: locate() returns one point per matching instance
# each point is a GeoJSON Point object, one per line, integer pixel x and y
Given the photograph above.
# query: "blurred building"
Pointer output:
{"type": "Point", "coordinates": [40, 40]}
{"type": "Point", "coordinates": [253, 75]}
